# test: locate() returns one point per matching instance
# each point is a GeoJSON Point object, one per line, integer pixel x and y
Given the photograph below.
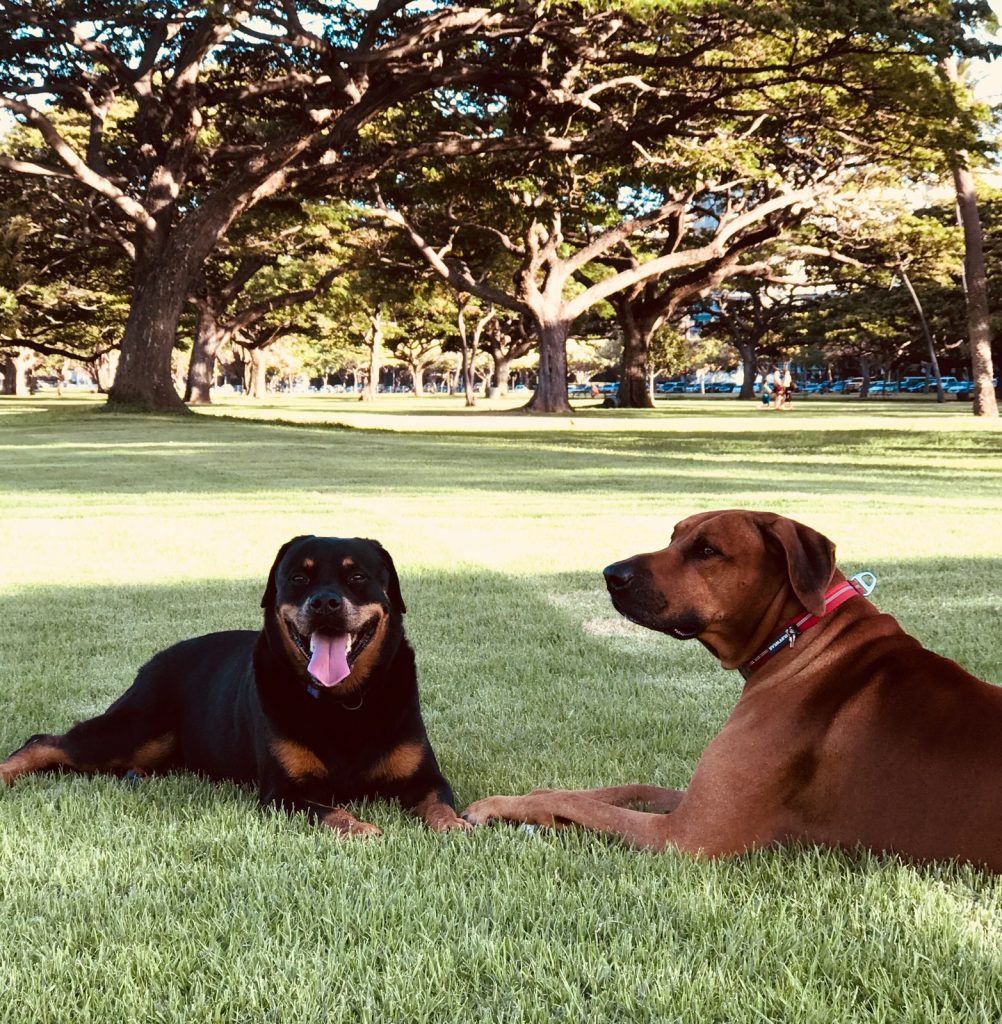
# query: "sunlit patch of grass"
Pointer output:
{"type": "Point", "coordinates": [175, 900]}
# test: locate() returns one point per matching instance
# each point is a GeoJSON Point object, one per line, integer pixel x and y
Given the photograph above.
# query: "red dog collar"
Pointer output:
{"type": "Point", "coordinates": [861, 585]}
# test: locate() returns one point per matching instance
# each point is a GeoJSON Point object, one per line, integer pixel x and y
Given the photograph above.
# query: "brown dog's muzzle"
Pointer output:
{"type": "Point", "coordinates": [629, 586]}
{"type": "Point", "coordinates": [619, 575]}
{"type": "Point", "coordinates": [637, 596]}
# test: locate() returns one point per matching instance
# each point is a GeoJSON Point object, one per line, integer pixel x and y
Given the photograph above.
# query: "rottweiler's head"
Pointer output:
{"type": "Point", "coordinates": [333, 607]}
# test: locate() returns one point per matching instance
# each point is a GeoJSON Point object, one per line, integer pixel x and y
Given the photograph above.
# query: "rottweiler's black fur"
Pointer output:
{"type": "Point", "coordinates": [244, 706]}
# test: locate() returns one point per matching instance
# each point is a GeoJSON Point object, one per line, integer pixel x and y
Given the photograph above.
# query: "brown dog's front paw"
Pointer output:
{"type": "Point", "coordinates": [492, 808]}
{"type": "Point", "coordinates": [531, 809]}
{"type": "Point", "coordinates": [344, 824]}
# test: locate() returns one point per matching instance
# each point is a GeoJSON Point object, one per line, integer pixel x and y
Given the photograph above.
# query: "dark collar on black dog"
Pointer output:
{"type": "Point", "coordinates": [316, 692]}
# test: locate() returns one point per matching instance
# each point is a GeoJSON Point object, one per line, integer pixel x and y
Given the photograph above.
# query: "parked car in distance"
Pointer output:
{"type": "Point", "coordinates": [883, 387]}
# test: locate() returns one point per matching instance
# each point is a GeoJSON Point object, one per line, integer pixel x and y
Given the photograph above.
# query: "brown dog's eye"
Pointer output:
{"type": "Point", "coordinates": [705, 551]}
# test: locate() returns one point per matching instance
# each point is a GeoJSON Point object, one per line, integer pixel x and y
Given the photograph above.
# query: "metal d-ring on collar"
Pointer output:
{"type": "Point", "coordinates": [314, 692]}
{"type": "Point", "coordinates": [860, 585]}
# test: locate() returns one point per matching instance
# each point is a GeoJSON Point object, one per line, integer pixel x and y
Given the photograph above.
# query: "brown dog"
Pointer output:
{"type": "Point", "coordinates": [847, 732]}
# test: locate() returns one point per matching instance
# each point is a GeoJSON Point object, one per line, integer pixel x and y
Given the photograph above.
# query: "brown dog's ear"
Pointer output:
{"type": "Point", "coordinates": [271, 590]}
{"type": "Point", "coordinates": [393, 585]}
{"type": "Point", "coordinates": [810, 561]}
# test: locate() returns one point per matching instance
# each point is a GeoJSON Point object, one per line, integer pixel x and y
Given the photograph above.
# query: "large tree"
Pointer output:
{"type": "Point", "coordinates": [279, 258]}
{"type": "Point", "coordinates": [63, 289]}
{"type": "Point", "coordinates": [975, 272]}
{"type": "Point", "coordinates": [881, 283]}
{"type": "Point", "coordinates": [550, 285]}
{"type": "Point", "coordinates": [705, 131]}
{"type": "Point", "coordinates": [230, 103]}
{"type": "Point", "coordinates": [750, 313]}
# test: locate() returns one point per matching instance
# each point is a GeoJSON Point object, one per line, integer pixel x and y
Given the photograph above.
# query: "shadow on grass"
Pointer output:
{"type": "Point", "coordinates": [526, 681]}
{"type": "Point", "coordinates": [61, 452]}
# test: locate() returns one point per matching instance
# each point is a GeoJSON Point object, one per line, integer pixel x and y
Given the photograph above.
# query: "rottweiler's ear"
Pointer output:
{"type": "Point", "coordinates": [271, 590]}
{"type": "Point", "coordinates": [810, 561]}
{"type": "Point", "coordinates": [393, 586]}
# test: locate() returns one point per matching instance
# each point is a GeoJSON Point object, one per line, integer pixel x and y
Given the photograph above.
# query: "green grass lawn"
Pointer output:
{"type": "Point", "coordinates": [175, 900]}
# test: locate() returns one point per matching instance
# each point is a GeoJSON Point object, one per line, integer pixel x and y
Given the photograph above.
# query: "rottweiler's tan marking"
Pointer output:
{"type": "Point", "coordinates": [399, 764]}
{"type": "Point", "coordinates": [41, 755]}
{"type": "Point", "coordinates": [339, 820]}
{"type": "Point", "coordinates": [298, 762]}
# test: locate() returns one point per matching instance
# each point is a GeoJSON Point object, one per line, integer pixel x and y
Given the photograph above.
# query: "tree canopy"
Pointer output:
{"type": "Point", "coordinates": [556, 160]}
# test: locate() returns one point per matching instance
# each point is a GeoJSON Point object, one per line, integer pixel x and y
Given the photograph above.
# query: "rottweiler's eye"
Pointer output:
{"type": "Point", "coordinates": [299, 579]}
{"type": "Point", "coordinates": [357, 577]}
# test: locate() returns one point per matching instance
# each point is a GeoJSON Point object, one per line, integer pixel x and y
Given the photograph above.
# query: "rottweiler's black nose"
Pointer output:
{"type": "Point", "coordinates": [619, 575]}
{"type": "Point", "coordinates": [325, 601]}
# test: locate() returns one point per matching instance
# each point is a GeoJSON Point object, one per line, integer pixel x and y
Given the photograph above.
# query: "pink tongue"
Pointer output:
{"type": "Point", "coordinates": [328, 659]}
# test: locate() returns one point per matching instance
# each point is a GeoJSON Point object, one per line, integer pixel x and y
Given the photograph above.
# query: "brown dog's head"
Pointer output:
{"type": "Point", "coordinates": [728, 578]}
{"type": "Point", "coordinates": [333, 609]}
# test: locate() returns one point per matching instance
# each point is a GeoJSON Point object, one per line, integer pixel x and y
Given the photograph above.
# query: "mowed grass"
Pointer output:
{"type": "Point", "coordinates": [176, 900]}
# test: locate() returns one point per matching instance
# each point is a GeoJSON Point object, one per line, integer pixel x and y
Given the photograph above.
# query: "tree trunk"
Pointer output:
{"type": "Point", "coordinates": [933, 358]}
{"type": "Point", "coordinates": [15, 371]}
{"type": "Point", "coordinates": [975, 278]}
{"type": "Point", "coordinates": [976, 287]}
{"type": "Point", "coordinates": [257, 374]}
{"type": "Point", "coordinates": [469, 389]}
{"type": "Point", "coordinates": [202, 367]}
{"type": "Point", "coordinates": [551, 388]}
{"type": "Point", "coordinates": [143, 381]}
{"type": "Point", "coordinates": [634, 392]}
{"type": "Point", "coordinates": [105, 368]}
{"type": "Point", "coordinates": [374, 343]}
{"type": "Point", "coordinates": [749, 366]}
{"type": "Point", "coordinates": [15, 377]}
{"type": "Point", "coordinates": [417, 378]}
{"type": "Point", "coordinates": [502, 372]}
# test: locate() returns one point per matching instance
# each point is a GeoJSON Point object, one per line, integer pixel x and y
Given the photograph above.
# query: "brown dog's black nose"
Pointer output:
{"type": "Point", "coordinates": [618, 576]}
{"type": "Point", "coordinates": [325, 601]}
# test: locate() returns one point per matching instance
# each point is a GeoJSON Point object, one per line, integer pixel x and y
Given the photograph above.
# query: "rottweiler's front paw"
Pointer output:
{"type": "Point", "coordinates": [344, 824]}
{"type": "Point", "coordinates": [453, 824]}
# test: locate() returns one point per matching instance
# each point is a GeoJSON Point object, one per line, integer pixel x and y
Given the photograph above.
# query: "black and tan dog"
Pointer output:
{"type": "Point", "coordinates": [318, 709]}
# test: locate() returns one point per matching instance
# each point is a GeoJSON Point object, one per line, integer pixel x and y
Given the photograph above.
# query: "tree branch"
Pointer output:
{"type": "Point", "coordinates": [714, 249]}
{"type": "Point", "coordinates": [251, 314]}
{"type": "Point", "coordinates": [452, 272]}
{"type": "Point", "coordinates": [133, 210]}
